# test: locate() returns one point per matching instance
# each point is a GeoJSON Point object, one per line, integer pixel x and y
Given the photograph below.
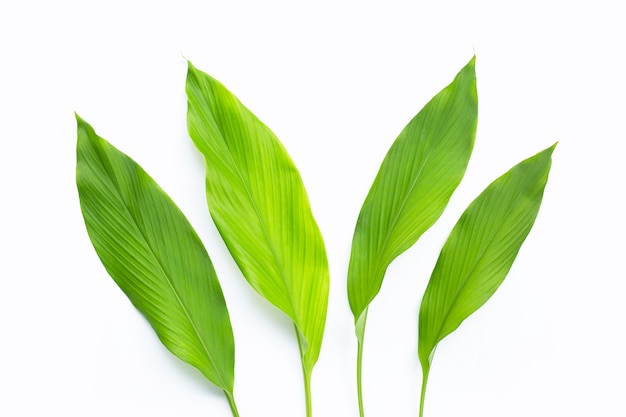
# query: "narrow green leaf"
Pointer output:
{"type": "Point", "coordinates": [260, 207]}
{"type": "Point", "coordinates": [415, 182]}
{"type": "Point", "coordinates": [480, 251]}
{"type": "Point", "coordinates": [154, 255]}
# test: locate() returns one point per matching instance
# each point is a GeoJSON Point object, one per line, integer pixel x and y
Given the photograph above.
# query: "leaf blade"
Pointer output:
{"type": "Point", "coordinates": [259, 205]}
{"type": "Point", "coordinates": [154, 255]}
{"type": "Point", "coordinates": [480, 251]}
{"type": "Point", "coordinates": [415, 181]}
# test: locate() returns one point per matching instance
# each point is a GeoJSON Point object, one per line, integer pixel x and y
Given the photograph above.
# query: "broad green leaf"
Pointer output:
{"type": "Point", "coordinates": [480, 251]}
{"type": "Point", "coordinates": [153, 254]}
{"type": "Point", "coordinates": [417, 178]}
{"type": "Point", "coordinates": [260, 207]}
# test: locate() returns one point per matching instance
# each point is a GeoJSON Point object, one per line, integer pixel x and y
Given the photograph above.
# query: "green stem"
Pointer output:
{"type": "Point", "coordinates": [231, 402]}
{"type": "Point", "coordinates": [306, 374]}
{"type": "Point", "coordinates": [423, 394]}
{"type": "Point", "coordinates": [360, 333]}
{"type": "Point", "coordinates": [359, 361]}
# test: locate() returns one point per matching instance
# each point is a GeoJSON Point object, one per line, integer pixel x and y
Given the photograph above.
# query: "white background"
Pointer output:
{"type": "Point", "coordinates": [336, 81]}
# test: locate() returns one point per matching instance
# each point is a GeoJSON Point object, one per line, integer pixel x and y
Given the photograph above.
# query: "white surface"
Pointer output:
{"type": "Point", "coordinates": [336, 81]}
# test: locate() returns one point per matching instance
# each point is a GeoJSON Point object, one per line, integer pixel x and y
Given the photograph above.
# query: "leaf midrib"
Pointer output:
{"type": "Point", "coordinates": [112, 176]}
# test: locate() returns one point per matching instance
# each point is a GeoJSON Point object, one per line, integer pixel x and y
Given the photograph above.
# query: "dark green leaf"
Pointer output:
{"type": "Point", "coordinates": [417, 178]}
{"type": "Point", "coordinates": [480, 251]}
{"type": "Point", "coordinates": [153, 254]}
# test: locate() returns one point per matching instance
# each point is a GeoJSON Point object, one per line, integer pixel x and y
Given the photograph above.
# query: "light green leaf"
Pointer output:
{"type": "Point", "coordinates": [260, 207]}
{"type": "Point", "coordinates": [417, 178]}
{"type": "Point", "coordinates": [480, 251]}
{"type": "Point", "coordinates": [153, 254]}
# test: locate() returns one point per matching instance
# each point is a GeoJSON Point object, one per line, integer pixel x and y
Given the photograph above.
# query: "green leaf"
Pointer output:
{"type": "Point", "coordinates": [480, 251]}
{"type": "Point", "coordinates": [154, 255]}
{"type": "Point", "coordinates": [414, 184]}
{"type": "Point", "coordinates": [260, 207]}
{"type": "Point", "coordinates": [417, 178]}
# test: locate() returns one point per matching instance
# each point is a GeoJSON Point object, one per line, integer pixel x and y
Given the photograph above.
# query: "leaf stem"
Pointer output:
{"type": "Point", "coordinates": [231, 402]}
{"type": "Point", "coordinates": [425, 373]}
{"type": "Point", "coordinates": [360, 332]}
{"type": "Point", "coordinates": [306, 374]}
{"type": "Point", "coordinates": [359, 361]}
{"type": "Point", "coordinates": [307, 393]}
